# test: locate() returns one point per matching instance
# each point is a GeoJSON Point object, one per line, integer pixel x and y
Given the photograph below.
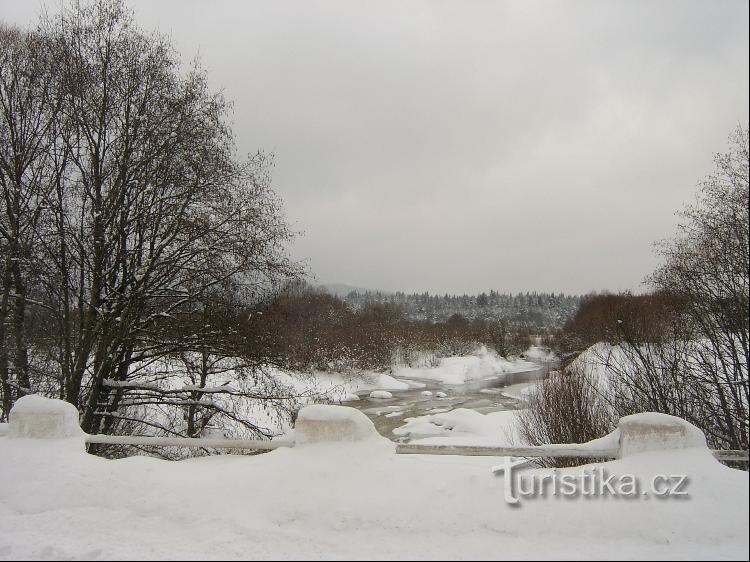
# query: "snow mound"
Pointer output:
{"type": "Point", "coordinates": [38, 417]}
{"type": "Point", "coordinates": [323, 423]}
{"type": "Point", "coordinates": [651, 431]}
{"type": "Point", "coordinates": [462, 427]}
{"type": "Point", "coordinates": [542, 354]}
{"type": "Point", "coordinates": [381, 394]}
{"type": "Point", "coordinates": [388, 383]}
{"type": "Point", "coordinates": [480, 365]}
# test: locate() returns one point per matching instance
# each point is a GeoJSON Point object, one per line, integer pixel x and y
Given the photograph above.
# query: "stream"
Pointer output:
{"type": "Point", "coordinates": [492, 394]}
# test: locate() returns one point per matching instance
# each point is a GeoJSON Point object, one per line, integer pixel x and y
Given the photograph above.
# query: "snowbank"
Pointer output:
{"type": "Point", "coordinates": [355, 501]}
{"type": "Point", "coordinates": [462, 427]}
{"type": "Point", "coordinates": [482, 364]}
{"type": "Point", "coordinates": [541, 354]}
{"type": "Point", "coordinates": [322, 423]}
{"type": "Point", "coordinates": [520, 391]}
{"type": "Point", "coordinates": [654, 431]}
{"type": "Point", "coordinates": [38, 417]}
{"type": "Point", "coordinates": [597, 360]}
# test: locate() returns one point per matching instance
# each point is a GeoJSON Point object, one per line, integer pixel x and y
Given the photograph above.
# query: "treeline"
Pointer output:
{"type": "Point", "coordinates": [537, 312]}
{"type": "Point", "coordinates": [611, 317]}
{"type": "Point", "coordinates": [309, 329]}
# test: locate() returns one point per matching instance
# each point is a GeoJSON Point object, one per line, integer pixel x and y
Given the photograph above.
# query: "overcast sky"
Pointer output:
{"type": "Point", "coordinates": [467, 146]}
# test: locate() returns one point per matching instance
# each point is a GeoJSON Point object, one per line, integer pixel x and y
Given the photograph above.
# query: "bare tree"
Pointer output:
{"type": "Point", "coordinates": [153, 210]}
{"type": "Point", "coordinates": [118, 169]}
{"type": "Point", "coordinates": [27, 113]}
{"type": "Point", "coordinates": [706, 265]}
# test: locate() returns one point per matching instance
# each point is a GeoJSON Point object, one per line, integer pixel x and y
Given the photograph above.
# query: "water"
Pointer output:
{"type": "Point", "coordinates": [489, 395]}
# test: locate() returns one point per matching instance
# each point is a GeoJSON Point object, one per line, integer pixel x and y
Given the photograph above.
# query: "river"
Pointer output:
{"type": "Point", "coordinates": [489, 395]}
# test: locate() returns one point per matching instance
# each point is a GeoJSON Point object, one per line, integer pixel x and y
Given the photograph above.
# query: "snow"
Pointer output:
{"type": "Point", "coordinates": [462, 427]}
{"type": "Point", "coordinates": [520, 391]}
{"type": "Point", "coordinates": [693, 437]}
{"type": "Point", "coordinates": [541, 354]}
{"type": "Point", "coordinates": [650, 430]}
{"type": "Point", "coordinates": [320, 422]}
{"type": "Point", "coordinates": [596, 360]}
{"type": "Point", "coordinates": [37, 417]}
{"type": "Point", "coordinates": [413, 384]}
{"type": "Point", "coordinates": [381, 394]}
{"type": "Point", "coordinates": [483, 364]}
{"type": "Point", "coordinates": [356, 500]}
{"type": "Point", "coordinates": [35, 404]}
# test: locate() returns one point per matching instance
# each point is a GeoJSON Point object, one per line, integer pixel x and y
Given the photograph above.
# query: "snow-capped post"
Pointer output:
{"type": "Point", "coordinates": [651, 431]}
{"type": "Point", "coordinates": [321, 423]}
{"type": "Point", "coordinates": [37, 417]}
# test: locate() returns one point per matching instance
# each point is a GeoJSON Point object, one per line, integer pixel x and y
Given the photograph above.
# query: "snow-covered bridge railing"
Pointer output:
{"type": "Point", "coordinates": [142, 441]}
{"type": "Point", "coordinates": [634, 434]}
{"type": "Point", "coordinates": [36, 417]}
{"type": "Point", "coordinates": [541, 451]}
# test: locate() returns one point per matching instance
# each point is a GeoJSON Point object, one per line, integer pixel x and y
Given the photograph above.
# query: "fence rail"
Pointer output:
{"type": "Point", "coordinates": [36, 417]}
{"type": "Point", "coordinates": [256, 445]}
{"type": "Point", "coordinates": [541, 451]}
{"type": "Point", "coordinates": [530, 452]}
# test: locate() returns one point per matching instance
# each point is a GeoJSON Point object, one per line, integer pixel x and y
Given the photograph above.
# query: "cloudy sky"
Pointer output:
{"type": "Point", "coordinates": [467, 146]}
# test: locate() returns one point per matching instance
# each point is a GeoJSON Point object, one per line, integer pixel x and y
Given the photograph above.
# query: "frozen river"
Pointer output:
{"type": "Point", "coordinates": [492, 394]}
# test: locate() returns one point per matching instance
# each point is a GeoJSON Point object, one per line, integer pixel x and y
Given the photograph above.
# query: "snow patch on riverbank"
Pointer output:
{"type": "Point", "coordinates": [541, 354]}
{"type": "Point", "coordinates": [481, 365]}
{"type": "Point", "coordinates": [462, 427]}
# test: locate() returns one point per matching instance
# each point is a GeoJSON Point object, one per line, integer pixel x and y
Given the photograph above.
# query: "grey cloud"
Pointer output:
{"type": "Point", "coordinates": [463, 146]}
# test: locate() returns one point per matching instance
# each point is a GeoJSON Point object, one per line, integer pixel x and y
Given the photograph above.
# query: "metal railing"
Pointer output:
{"type": "Point", "coordinates": [251, 444]}
{"type": "Point", "coordinates": [540, 451]}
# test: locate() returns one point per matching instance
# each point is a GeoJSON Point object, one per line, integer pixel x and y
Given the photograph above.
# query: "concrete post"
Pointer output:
{"type": "Point", "coordinates": [36, 417]}
{"type": "Point", "coordinates": [321, 423]}
{"type": "Point", "coordinates": [651, 431]}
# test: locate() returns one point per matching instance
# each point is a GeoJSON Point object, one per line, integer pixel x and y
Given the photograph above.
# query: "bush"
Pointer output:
{"type": "Point", "coordinates": [567, 407]}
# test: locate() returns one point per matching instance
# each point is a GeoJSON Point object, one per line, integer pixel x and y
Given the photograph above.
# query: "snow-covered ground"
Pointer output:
{"type": "Point", "coordinates": [354, 500]}
{"type": "Point", "coordinates": [541, 354]}
{"type": "Point", "coordinates": [462, 427]}
{"type": "Point", "coordinates": [480, 365]}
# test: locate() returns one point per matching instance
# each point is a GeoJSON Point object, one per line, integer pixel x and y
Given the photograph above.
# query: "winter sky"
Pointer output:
{"type": "Point", "coordinates": [467, 146]}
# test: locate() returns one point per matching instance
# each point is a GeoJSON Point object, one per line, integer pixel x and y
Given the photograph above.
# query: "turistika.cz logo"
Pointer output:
{"type": "Point", "coordinates": [591, 482]}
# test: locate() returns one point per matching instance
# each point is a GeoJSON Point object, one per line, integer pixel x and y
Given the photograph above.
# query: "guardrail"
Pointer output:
{"type": "Point", "coordinates": [531, 452]}
{"type": "Point", "coordinates": [250, 444]}
{"type": "Point", "coordinates": [36, 417]}
{"type": "Point", "coordinates": [541, 451]}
